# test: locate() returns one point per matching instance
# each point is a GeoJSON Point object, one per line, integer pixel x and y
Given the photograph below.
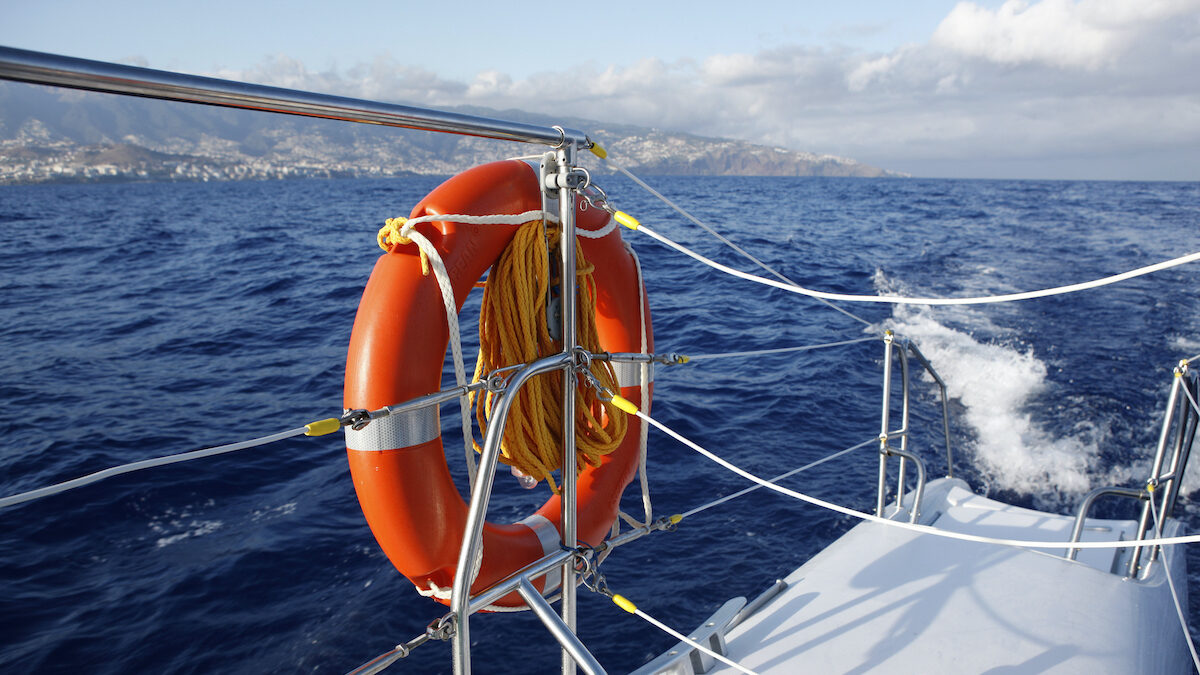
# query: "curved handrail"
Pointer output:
{"type": "Point", "coordinates": [1086, 505]}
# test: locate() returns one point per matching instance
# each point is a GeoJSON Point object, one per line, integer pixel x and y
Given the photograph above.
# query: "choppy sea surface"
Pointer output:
{"type": "Point", "coordinates": [139, 320]}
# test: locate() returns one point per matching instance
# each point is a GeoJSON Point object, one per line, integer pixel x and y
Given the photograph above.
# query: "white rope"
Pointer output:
{"type": "Point", "coordinates": [145, 464]}
{"type": "Point", "coordinates": [683, 638]}
{"type": "Point", "coordinates": [683, 212]}
{"type": "Point", "coordinates": [439, 593]}
{"type": "Point", "coordinates": [780, 477]}
{"type": "Point", "coordinates": [1187, 634]}
{"type": "Point", "coordinates": [898, 300]}
{"type": "Point", "coordinates": [644, 433]}
{"type": "Point", "coordinates": [512, 219]}
{"type": "Point", "coordinates": [494, 219]}
{"type": "Point", "coordinates": [596, 234]}
{"type": "Point", "coordinates": [460, 374]}
{"type": "Point", "coordinates": [781, 350]}
{"type": "Point", "coordinates": [920, 529]}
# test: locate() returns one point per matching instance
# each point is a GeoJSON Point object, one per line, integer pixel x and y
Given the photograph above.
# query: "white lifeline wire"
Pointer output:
{"type": "Point", "coordinates": [920, 529]}
{"type": "Point", "coordinates": [1187, 634]}
{"type": "Point", "coordinates": [683, 212]}
{"type": "Point", "coordinates": [683, 638]}
{"type": "Point", "coordinates": [145, 464]}
{"type": "Point", "coordinates": [898, 300]}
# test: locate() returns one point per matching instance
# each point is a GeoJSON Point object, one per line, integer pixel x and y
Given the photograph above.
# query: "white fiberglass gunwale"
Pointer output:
{"type": "Point", "coordinates": [881, 599]}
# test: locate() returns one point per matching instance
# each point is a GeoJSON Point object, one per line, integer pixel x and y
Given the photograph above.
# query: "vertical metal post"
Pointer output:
{"type": "Point", "coordinates": [946, 432]}
{"type": "Point", "coordinates": [1156, 471]}
{"type": "Point", "coordinates": [888, 338]}
{"type": "Point", "coordinates": [567, 293]}
{"type": "Point", "coordinates": [904, 428]}
{"type": "Point", "coordinates": [1183, 451]}
{"type": "Point", "coordinates": [1175, 472]}
{"type": "Point", "coordinates": [472, 546]}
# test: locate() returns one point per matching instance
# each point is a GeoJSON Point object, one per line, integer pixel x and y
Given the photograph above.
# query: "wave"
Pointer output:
{"type": "Point", "coordinates": [999, 384]}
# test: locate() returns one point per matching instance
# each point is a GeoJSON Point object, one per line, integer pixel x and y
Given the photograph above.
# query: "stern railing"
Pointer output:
{"type": "Point", "coordinates": [1176, 436]}
{"type": "Point", "coordinates": [898, 349]}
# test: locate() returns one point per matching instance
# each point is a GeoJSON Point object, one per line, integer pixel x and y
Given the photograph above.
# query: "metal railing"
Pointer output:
{"type": "Point", "coordinates": [22, 65]}
{"type": "Point", "coordinates": [898, 349]}
{"type": "Point", "coordinates": [1181, 418]}
{"type": "Point", "coordinates": [1086, 506]}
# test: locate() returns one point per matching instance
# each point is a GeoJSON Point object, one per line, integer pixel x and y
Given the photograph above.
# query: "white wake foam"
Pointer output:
{"type": "Point", "coordinates": [996, 384]}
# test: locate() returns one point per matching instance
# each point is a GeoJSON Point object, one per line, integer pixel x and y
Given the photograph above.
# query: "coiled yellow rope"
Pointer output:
{"type": "Point", "coordinates": [512, 330]}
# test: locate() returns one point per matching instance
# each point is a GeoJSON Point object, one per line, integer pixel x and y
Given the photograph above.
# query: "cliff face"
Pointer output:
{"type": "Point", "coordinates": [49, 135]}
{"type": "Point", "coordinates": [657, 152]}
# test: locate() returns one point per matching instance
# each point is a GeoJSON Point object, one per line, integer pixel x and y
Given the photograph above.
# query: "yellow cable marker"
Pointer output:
{"type": "Point", "coordinates": [624, 603]}
{"type": "Point", "coordinates": [598, 151]}
{"type": "Point", "coordinates": [676, 518]}
{"type": "Point", "coordinates": [626, 220]}
{"type": "Point", "coordinates": [322, 427]}
{"type": "Point", "coordinates": [624, 404]}
{"type": "Point", "coordinates": [683, 358]}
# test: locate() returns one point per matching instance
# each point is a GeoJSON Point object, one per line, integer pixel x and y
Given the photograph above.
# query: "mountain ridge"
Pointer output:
{"type": "Point", "coordinates": [56, 135]}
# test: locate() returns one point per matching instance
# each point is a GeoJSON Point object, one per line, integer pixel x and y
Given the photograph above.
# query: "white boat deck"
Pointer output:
{"type": "Point", "coordinates": [884, 600]}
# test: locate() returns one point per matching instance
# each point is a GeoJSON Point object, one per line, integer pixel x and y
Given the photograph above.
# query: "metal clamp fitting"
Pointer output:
{"type": "Point", "coordinates": [356, 419]}
{"type": "Point", "coordinates": [577, 178]}
{"type": "Point", "coordinates": [441, 629]}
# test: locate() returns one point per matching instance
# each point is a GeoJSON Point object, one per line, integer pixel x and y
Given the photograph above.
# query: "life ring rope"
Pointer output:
{"type": "Point", "coordinates": [534, 431]}
{"type": "Point", "coordinates": [401, 231]}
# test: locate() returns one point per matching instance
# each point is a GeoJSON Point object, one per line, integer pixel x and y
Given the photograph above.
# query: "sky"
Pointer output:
{"type": "Point", "coordinates": [1073, 89]}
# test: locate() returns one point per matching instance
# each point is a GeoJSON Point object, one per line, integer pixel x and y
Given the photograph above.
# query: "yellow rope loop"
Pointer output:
{"type": "Point", "coordinates": [392, 234]}
{"type": "Point", "coordinates": [512, 329]}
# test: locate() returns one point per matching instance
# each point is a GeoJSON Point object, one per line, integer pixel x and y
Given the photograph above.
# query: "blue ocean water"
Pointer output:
{"type": "Point", "coordinates": [138, 320]}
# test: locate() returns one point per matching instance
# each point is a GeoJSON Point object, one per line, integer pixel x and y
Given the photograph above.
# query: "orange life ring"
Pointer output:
{"type": "Point", "coordinates": [396, 353]}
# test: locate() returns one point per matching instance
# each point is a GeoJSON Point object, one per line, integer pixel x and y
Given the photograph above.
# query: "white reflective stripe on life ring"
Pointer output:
{"type": "Point", "coordinates": [630, 374]}
{"type": "Point", "coordinates": [397, 431]}
{"type": "Point", "coordinates": [551, 541]}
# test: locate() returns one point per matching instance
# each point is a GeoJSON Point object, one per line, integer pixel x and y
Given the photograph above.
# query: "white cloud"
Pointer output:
{"type": "Point", "coordinates": [1094, 81]}
{"type": "Point", "coordinates": [1086, 34]}
{"type": "Point", "coordinates": [860, 77]}
{"type": "Point", "coordinates": [382, 79]}
{"type": "Point", "coordinates": [1054, 32]}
